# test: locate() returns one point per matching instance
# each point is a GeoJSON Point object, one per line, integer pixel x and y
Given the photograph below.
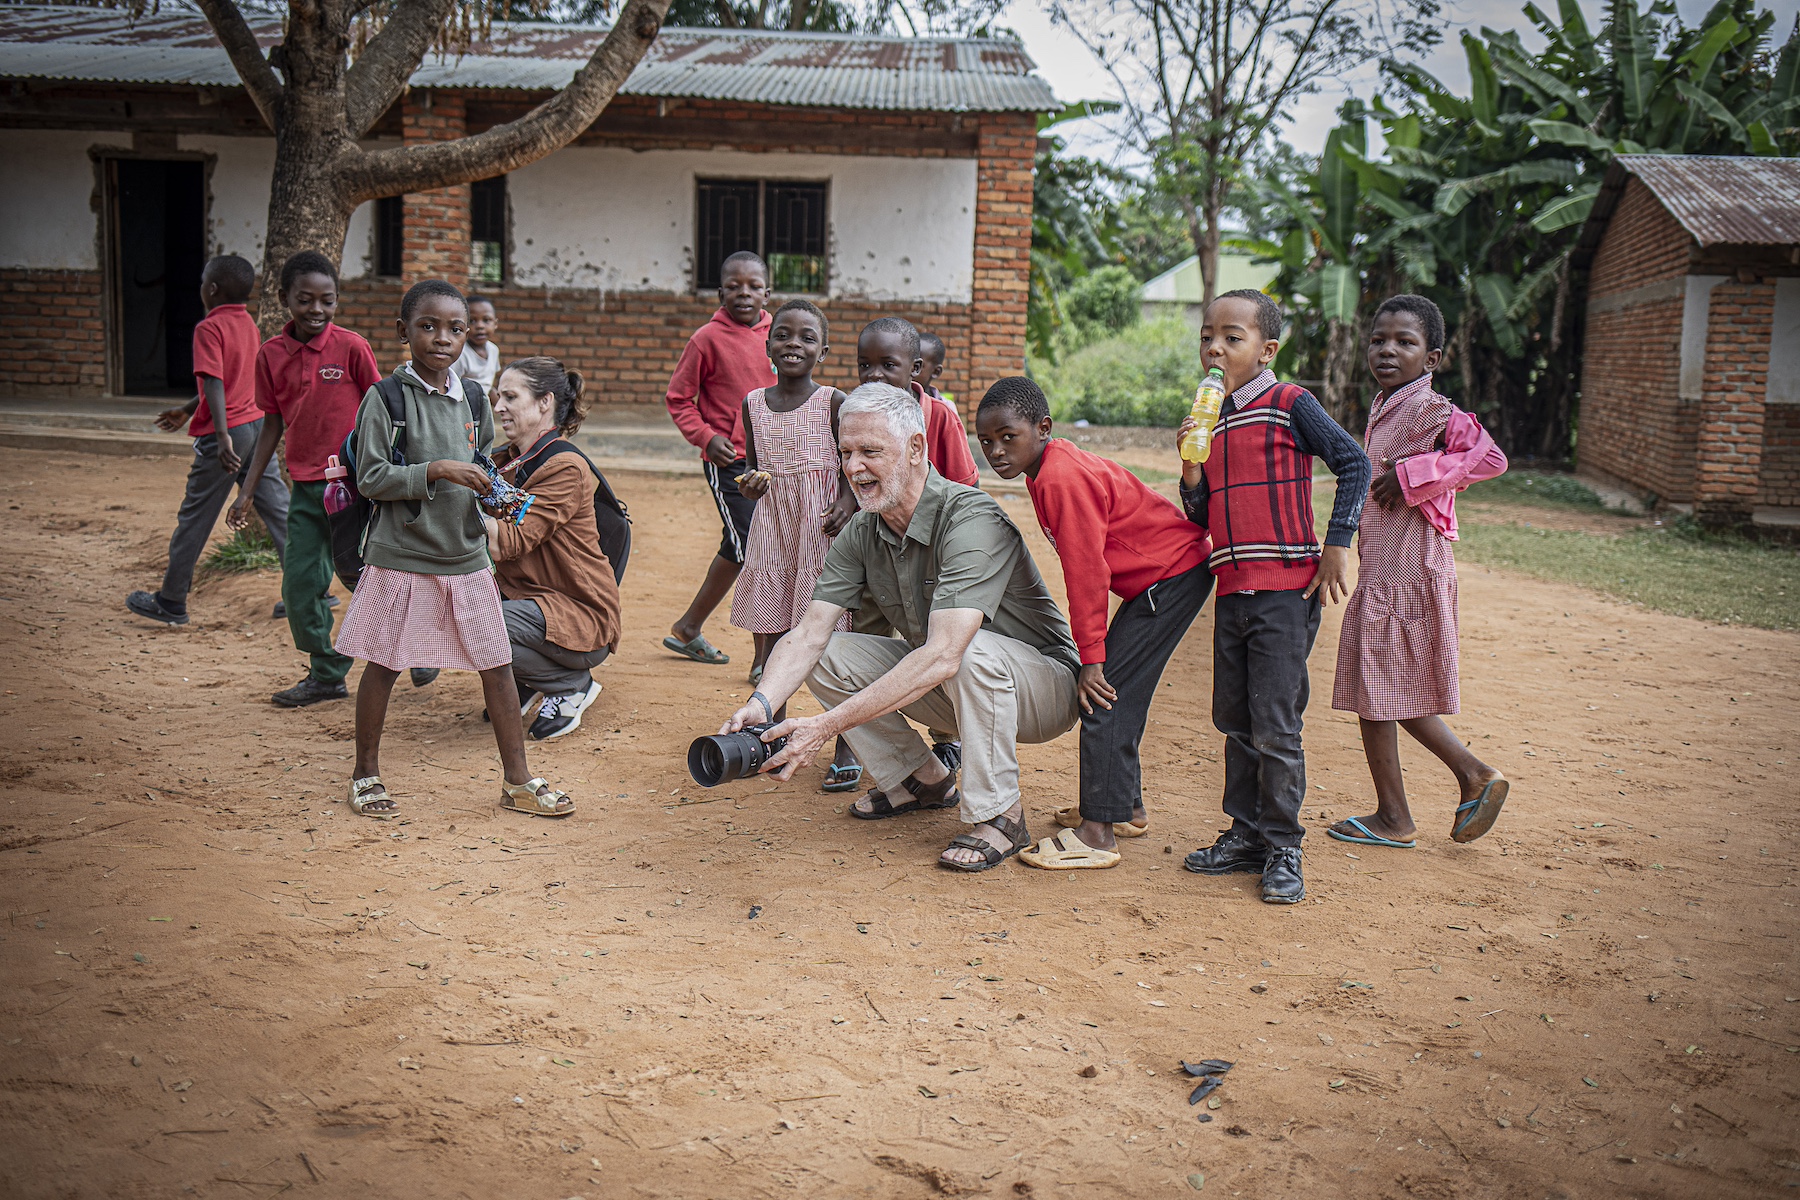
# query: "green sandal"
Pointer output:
{"type": "Point", "coordinates": [700, 650]}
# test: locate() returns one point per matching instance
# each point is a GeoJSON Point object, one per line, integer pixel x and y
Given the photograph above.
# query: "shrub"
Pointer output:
{"type": "Point", "coordinates": [1103, 302]}
{"type": "Point", "coordinates": [249, 549]}
{"type": "Point", "coordinates": [1145, 375]}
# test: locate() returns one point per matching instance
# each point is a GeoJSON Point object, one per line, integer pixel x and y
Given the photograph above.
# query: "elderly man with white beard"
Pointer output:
{"type": "Point", "coordinates": [982, 647]}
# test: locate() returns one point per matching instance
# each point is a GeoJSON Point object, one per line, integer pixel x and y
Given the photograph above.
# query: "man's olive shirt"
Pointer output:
{"type": "Point", "coordinates": [960, 551]}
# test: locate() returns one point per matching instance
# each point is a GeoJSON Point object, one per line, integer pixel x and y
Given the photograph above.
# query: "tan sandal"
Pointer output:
{"type": "Point", "coordinates": [526, 798]}
{"type": "Point", "coordinates": [1067, 852]}
{"type": "Point", "coordinates": [1069, 817]}
{"type": "Point", "coordinates": [369, 791]}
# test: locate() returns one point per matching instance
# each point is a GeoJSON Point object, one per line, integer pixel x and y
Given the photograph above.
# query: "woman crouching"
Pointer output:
{"type": "Point", "coordinates": [559, 593]}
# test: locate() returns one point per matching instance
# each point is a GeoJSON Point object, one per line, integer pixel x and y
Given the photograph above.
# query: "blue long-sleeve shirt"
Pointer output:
{"type": "Point", "coordinates": [1315, 434]}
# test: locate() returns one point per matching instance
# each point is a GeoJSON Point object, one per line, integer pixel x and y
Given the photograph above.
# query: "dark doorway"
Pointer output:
{"type": "Point", "coordinates": [158, 224]}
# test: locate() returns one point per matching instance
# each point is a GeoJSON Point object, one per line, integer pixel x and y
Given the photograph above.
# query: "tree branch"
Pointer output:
{"type": "Point", "coordinates": [548, 127]}
{"type": "Point", "coordinates": [797, 14]}
{"type": "Point", "coordinates": [247, 57]}
{"type": "Point", "coordinates": [380, 73]}
{"type": "Point", "coordinates": [727, 16]}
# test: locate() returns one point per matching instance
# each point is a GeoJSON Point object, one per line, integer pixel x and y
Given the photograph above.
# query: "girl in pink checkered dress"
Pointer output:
{"type": "Point", "coordinates": [1396, 665]}
{"type": "Point", "coordinates": [802, 500]}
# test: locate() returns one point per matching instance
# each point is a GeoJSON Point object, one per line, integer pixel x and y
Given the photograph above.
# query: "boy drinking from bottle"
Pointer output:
{"type": "Point", "coordinates": [1253, 494]}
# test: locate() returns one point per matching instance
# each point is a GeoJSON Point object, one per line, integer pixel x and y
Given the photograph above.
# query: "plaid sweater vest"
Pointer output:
{"type": "Point", "coordinates": [1259, 498]}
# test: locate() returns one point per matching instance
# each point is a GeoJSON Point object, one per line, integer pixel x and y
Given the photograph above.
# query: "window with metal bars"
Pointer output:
{"type": "Point", "coordinates": [782, 221]}
{"type": "Point", "coordinates": [487, 230]}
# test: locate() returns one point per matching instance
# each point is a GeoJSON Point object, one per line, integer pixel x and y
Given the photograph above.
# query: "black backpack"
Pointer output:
{"type": "Point", "coordinates": [611, 520]}
{"type": "Point", "coordinates": [350, 527]}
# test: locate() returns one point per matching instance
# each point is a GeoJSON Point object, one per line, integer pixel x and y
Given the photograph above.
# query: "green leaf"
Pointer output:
{"type": "Point", "coordinates": [1711, 107]}
{"type": "Point", "coordinates": [1701, 57]}
{"type": "Point", "coordinates": [1402, 132]}
{"type": "Point", "coordinates": [1076, 111]}
{"type": "Point", "coordinates": [1760, 141]}
{"type": "Point", "coordinates": [1633, 59]}
{"type": "Point", "coordinates": [1454, 196]}
{"type": "Point", "coordinates": [1495, 294]}
{"type": "Point", "coordinates": [1339, 290]}
{"type": "Point", "coordinates": [1547, 86]}
{"type": "Point", "coordinates": [1564, 212]}
{"type": "Point", "coordinates": [1575, 33]}
{"type": "Point", "coordinates": [1338, 189]}
{"type": "Point", "coordinates": [1562, 133]}
{"type": "Point", "coordinates": [1484, 84]}
{"type": "Point", "coordinates": [1785, 84]}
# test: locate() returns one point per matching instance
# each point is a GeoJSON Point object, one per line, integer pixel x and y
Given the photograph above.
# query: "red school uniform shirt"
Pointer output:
{"type": "Point", "coordinates": [225, 344]}
{"type": "Point", "coordinates": [722, 363]}
{"type": "Point", "coordinates": [1112, 533]}
{"type": "Point", "coordinates": [946, 439]}
{"type": "Point", "coordinates": [315, 388]}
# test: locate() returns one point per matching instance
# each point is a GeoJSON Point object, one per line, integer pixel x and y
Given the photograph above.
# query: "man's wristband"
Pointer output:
{"type": "Point", "coordinates": [768, 709]}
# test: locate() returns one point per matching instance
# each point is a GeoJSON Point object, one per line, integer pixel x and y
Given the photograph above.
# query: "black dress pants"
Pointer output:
{"type": "Point", "coordinates": [1261, 641]}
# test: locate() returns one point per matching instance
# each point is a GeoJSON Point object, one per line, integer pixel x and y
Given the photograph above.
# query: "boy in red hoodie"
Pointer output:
{"type": "Point", "coordinates": [1113, 534]}
{"type": "Point", "coordinates": [725, 360]}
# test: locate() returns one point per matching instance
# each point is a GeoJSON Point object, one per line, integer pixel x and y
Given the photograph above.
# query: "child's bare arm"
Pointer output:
{"type": "Point", "coordinates": [239, 514]}
{"type": "Point", "coordinates": [844, 507]}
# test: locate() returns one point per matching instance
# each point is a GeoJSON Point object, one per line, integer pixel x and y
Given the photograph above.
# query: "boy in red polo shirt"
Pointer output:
{"type": "Point", "coordinates": [1254, 495]}
{"type": "Point", "coordinates": [725, 360]}
{"type": "Point", "coordinates": [310, 379]}
{"type": "Point", "coordinates": [887, 351]}
{"type": "Point", "coordinates": [225, 425]}
{"type": "Point", "coordinates": [1113, 534]}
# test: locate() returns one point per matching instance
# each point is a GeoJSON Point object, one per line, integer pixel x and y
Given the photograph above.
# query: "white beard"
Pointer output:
{"type": "Point", "coordinates": [886, 497]}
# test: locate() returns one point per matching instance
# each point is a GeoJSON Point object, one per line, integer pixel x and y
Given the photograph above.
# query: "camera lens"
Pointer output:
{"type": "Point", "coordinates": [721, 758]}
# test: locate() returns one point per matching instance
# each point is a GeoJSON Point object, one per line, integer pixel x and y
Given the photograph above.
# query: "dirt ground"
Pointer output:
{"type": "Point", "coordinates": [217, 982]}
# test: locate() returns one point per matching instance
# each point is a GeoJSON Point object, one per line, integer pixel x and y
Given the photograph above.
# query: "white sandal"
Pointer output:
{"type": "Point", "coordinates": [525, 798]}
{"type": "Point", "coordinates": [370, 790]}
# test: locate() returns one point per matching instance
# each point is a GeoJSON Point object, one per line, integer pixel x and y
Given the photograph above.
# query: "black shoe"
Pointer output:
{"type": "Point", "coordinates": [281, 607]}
{"type": "Point", "coordinates": [948, 753]}
{"type": "Point", "coordinates": [1234, 851]}
{"type": "Point", "coordinates": [1281, 882]}
{"type": "Point", "coordinates": [422, 675]}
{"type": "Point", "coordinates": [149, 604]}
{"type": "Point", "coordinates": [310, 691]}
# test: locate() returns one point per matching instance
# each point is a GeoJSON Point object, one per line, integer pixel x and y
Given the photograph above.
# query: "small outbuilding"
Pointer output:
{"type": "Point", "coordinates": [1690, 378]}
{"type": "Point", "coordinates": [878, 176]}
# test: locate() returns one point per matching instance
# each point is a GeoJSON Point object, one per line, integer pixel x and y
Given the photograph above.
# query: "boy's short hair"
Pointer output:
{"type": "Point", "coordinates": [307, 262]}
{"type": "Point", "coordinates": [423, 290]}
{"type": "Point", "coordinates": [234, 275]}
{"type": "Point", "coordinates": [899, 327]}
{"type": "Point", "coordinates": [806, 306]}
{"type": "Point", "coordinates": [478, 298]}
{"type": "Point", "coordinates": [1019, 395]}
{"type": "Point", "coordinates": [1431, 317]}
{"type": "Point", "coordinates": [1268, 313]}
{"type": "Point", "coordinates": [931, 346]}
{"type": "Point", "coordinates": [744, 256]}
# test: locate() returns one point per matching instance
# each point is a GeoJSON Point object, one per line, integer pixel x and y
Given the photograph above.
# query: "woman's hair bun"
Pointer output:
{"type": "Point", "coordinates": [546, 376]}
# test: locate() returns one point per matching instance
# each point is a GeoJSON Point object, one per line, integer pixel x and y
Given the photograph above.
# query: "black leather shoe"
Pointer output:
{"type": "Point", "coordinates": [310, 691]}
{"type": "Point", "coordinates": [422, 675]}
{"type": "Point", "coordinates": [1235, 851]}
{"type": "Point", "coordinates": [1281, 882]}
{"type": "Point", "coordinates": [948, 753]}
{"type": "Point", "coordinates": [149, 604]}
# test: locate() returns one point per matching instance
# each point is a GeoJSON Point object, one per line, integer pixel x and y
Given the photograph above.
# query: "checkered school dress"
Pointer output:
{"type": "Point", "coordinates": [1397, 650]}
{"type": "Point", "coordinates": [787, 544]}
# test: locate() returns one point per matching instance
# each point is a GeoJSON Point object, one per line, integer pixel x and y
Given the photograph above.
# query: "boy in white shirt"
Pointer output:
{"type": "Point", "coordinates": [480, 359]}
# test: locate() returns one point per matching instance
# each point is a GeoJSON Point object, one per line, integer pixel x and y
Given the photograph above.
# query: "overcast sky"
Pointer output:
{"type": "Point", "coordinates": [1075, 75]}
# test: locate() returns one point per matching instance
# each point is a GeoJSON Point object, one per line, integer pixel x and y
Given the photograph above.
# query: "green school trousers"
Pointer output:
{"type": "Point", "coordinates": [306, 579]}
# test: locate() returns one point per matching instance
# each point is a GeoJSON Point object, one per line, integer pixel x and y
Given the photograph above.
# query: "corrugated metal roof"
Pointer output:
{"type": "Point", "coordinates": [772, 67]}
{"type": "Point", "coordinates": [1725, 201]}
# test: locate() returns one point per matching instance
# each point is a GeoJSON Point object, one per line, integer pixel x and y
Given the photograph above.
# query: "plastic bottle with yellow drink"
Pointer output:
{"type": "Point", "coordinates": [1196, 444]}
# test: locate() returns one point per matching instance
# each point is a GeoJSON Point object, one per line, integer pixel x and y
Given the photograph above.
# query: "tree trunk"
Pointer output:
{"type": "Point", "coordinates": [1340, 373]}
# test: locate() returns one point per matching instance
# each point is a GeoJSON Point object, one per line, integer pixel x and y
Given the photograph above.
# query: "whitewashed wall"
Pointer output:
{"type": "Point", "coordinates": [623, 220]}
{"type": "Point", "coordinates": [898, 228]}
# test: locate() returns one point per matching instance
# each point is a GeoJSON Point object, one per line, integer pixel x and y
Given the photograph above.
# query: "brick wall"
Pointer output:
{"type": "Point", "coordinates": [625, 344]}
{"type": "Point", "coordinates": [1780, 457]}
{"type": "Point", "coordinates": [1729, 444]}
{"type": "Point", "coordinates": [435, 244]}
{"type": "Point", "coordinates": [1002, 252]}
{"type": "Point", "coordinates": [1633, 425]}
{"type": "Point", "coordinates": [55, 333]}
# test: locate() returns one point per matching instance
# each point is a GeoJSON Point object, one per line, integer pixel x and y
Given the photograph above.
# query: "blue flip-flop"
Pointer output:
{"type": "Point", "coordinates": [1475, 817]}
{"type": "Point", "coordinates": [1367, 838]}
{"type": "Point", "coordinates": [842, 779]}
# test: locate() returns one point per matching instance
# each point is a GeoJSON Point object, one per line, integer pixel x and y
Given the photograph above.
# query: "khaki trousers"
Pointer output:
{"type": "Point", "coordinates": [1004, 693]}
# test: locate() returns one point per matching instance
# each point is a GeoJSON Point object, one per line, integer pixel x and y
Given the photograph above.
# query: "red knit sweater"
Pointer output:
{"type": "Point", "coordinates": [1112, 533]}
{"type": "Point", "coordinates": [946, 439]}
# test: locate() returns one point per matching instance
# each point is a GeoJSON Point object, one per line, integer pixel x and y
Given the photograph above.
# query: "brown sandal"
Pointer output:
{"type": "Point", "coordinates": [1014, 831]}
{"type": "Point", "coordinates": [880, 807]}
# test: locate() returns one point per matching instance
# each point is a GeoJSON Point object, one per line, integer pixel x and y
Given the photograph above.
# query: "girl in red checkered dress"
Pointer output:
{"type": "Point", "coordinates": [1396, 665]}
{"type": "Point", "coordinates": [802, 499]}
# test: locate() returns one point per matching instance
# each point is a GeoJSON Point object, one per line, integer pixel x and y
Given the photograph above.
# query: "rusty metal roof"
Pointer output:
{"type": "Point", "coordinates": [772, 67]}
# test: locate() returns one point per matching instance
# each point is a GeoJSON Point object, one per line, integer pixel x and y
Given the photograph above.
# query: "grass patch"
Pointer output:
{"type": "Point", "coordinates": [1542, 488]}
{"type": "Point", "coordinates": [1728, 580]}
{"type": "Point", "coordinates": [250, 549]}
{"type": "Point", "coordinates": [1154, 475]}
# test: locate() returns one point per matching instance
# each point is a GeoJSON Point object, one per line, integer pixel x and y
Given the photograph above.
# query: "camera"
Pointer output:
{"type": "Point", "coordinates": [723, 757]}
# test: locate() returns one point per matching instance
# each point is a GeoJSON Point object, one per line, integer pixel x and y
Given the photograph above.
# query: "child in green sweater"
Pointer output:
{"type": "Point", "coordinates": [426, 597]}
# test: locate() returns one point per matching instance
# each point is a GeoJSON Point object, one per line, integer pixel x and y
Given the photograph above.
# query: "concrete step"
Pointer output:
{"type": "Point", "coordinates": [95, 441]}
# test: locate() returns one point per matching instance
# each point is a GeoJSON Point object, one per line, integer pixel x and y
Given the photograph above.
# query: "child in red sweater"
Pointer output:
{"type": "Point", "coordinates": [888, 352]}
{"type": "Point", "coordinates": [1113, 534]}
{"type": "Point", "coordinates": [725, 360]}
